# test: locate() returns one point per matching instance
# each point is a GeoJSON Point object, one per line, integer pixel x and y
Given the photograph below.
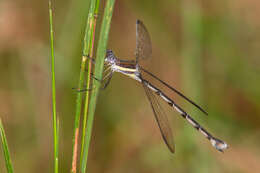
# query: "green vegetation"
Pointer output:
{"type": "Point", "coordinates": [8, 162]}
{"type": "Point", "coordinates": [209, 51]}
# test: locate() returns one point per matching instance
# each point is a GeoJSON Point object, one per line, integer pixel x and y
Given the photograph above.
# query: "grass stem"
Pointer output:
{"type": "Point", "coordinates": [89, 50]}
{"type": "Point", "coordinates": [8, 162]}
{"type": "Point", "coordinates": [99, 63]}
{"type": "Point", "coordinates": [55, 128]}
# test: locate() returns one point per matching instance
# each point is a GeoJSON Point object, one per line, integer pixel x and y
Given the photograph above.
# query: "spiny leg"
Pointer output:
{"type": "Point", "coordinates": [90, 58]}
{"type": "Point", "coordinates": [107, 77]}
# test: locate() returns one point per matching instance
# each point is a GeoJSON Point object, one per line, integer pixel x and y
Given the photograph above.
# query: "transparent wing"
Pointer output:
{"type": "Point", "coordinates": [107, 76]}
{"type": "Point", "coordinates": [143, 42]}
{"type": "Point", "coordinates": [175, 90]}
{"type": "Point", "coordinates": [161, 119]}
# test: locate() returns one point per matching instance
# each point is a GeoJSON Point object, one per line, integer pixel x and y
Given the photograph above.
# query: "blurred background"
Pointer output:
{"type": "Point", "coordinates": [209, 50]}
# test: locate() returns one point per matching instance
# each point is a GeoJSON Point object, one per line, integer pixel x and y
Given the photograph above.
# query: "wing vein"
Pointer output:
{"type": "Point", "coordinates": [175, 90]}
{"type": "Point", "coordinates": [161, 119]}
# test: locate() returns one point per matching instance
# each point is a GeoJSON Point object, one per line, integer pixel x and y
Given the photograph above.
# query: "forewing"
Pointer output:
{"type": "Point", "coordinates": [174, 90]}
{"type": "Point", "coordinates": [161, 119]}
{"type": "Point", "coordinates": [143, 42]}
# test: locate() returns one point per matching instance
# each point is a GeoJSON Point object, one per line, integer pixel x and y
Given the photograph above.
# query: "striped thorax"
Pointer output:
{"type": "Point", "coordinates": [128, 68]}
{"type": "Point", "coordinates": [133, 70]}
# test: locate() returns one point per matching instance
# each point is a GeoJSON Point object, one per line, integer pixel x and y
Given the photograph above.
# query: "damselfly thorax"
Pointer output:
{"type": "Point", "coordinates": [127, 67]}
{"type": "Point", "coordinates": [133, 70]}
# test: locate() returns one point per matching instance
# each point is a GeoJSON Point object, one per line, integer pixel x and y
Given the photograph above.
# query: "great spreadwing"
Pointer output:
{"type": "Point", "coordinates": [133, 70]}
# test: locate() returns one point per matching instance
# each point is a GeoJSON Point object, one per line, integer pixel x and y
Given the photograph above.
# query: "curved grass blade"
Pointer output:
{"type": "Point", "coordinates": [8, 162]}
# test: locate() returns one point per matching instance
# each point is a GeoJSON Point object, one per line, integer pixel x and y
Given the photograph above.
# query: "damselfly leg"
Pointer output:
{"type": "Point", "coordinates": [133, 70]}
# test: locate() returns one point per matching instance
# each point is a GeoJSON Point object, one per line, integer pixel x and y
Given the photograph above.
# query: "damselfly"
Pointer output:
{"type": "Point", "coordinates": [133, 69]}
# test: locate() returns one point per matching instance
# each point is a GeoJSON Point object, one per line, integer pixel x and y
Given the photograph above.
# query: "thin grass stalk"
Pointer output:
{"type": "Point", "coordinates": [77, 115]}
{"type": "Point", "coordinates": [8, 162]}
{"type": "Point", "coordinates": [86, 52]}
{"type": "Point", "coordinates": [54, 115]}
{"type": "Point", "coordinates": [89, 50]}
{"type": "Point", "coordinates": [99, 64]}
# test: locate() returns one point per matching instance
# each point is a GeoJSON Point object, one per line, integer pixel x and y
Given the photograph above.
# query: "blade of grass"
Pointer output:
{"type": "Point", "coordinates": [54, 115]}
{"type": "Point", "coordinates": [89, 50]}
{"type": "Point", "coordinates": [8, 162]}
{"type": "Point", "coordinates": [101, 52]}
{"type": "Point", "coordinates": [77, 115]}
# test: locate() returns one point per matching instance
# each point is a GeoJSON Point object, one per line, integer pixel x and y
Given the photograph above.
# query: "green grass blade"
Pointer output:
{"type": "Point", "coordinates": [55, 130]}
{"type": "Point", "coordinates": [101, 52]}
{"type": "Point", "coordinates": [89, 50]}
{"type": "Point", "coordinates": [88, 44]}
{"type": "Point", "coordinates": [78, 109]}
{"type": "Point", "coordinates": [8, 162]}
{"type": "Point", "coordinates": [77, 114]}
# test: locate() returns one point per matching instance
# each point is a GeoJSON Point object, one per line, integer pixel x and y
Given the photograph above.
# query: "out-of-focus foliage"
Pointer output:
{"type": "Point", "coordinates": [207, 49]}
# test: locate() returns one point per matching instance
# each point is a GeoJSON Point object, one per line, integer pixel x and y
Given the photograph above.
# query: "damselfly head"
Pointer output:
{"type": "Point", "coordinates": [110, 57]}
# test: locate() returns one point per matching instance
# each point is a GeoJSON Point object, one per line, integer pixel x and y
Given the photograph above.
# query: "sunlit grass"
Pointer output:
{"type": "Point", "coordinates": [54, 115]}
{"type": "Point", "coordinates": [8, 162]}
{"type": "Point", "coordinates": [99, 63]}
